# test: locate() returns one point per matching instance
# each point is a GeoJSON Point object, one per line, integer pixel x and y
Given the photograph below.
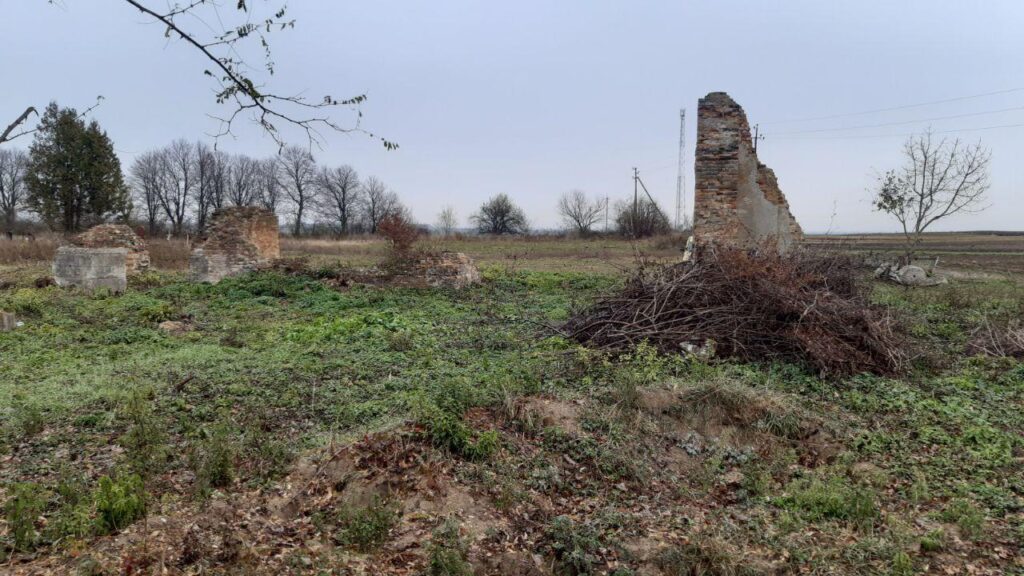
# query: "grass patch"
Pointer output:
{"type": "Point", "coordinates": [365, 529]}
{"type": "Point", "coordinates": [834, 498]}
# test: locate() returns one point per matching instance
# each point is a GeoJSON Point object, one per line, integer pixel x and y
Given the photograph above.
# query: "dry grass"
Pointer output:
{"type": "Point", "coordinates": [168, 254]}
{"type": "Point", "coordinates": [535, 253]}
{"type": "Point", "coordinates": [164, 254]}
{"type": "Point", "coordinates": [967, 252]}
{"type": "Point", "coordinates": [26, 252]}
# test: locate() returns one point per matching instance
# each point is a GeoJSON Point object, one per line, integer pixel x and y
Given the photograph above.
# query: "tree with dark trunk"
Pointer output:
{"type": "Point", "coordinates": [207, 171]}
{"type": "Point", "coordinates": [12, 185]}
{"type": "Point", "coordinates": [500, 215]}
{"type": "Point", "coordinates": [378, 203]}
{"type": "Point", "coordinates": [73, 178]}
{"type": "Point", "coordinates": [179, 181]}
{"type": "Point", "coordinates": [243, 180]}
{"type": "Point", "coordinates": [146, 175]}
{"type": "Point", "coordinates": [578, 212]}
{"type": "Point", "coordinates": [269, 183]}
{"type": "Point", "coordinates": [298, 175]}
{"type": "Point", "coordinates": [339, 195]}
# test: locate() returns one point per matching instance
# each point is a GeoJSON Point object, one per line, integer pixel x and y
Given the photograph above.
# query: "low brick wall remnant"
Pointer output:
{"type": "Point", "coordinates": [116, 236]}
{"type": "Point", "coordinates": [239, 239]}
{"type": "Point", "coordinates": [449, 270]}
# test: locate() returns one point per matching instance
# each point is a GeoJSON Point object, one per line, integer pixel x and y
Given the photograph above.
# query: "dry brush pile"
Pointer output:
{"type": "Point", "coordinates": [754, 305]}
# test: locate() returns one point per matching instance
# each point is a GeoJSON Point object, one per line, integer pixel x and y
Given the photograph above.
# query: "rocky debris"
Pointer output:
{"type": "Point", "coordinates": [449, 270]}
{"type": "Point", "coordinates": [239, 239]}
{"type": "Point", "coordinates": [908, 275]}
{"type": "Point", "coordinates": [8, 321]}
{"type": "Point", "coordinates": [175, 327]}
{"type": "Point", "coordinates": [737, 198]}
{"type": "Point", "coordinates": [91, 268]}
{"type": "Point", "coordinates": [117, 236]}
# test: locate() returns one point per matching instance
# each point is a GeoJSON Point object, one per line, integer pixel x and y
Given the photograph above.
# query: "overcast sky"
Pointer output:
{"type": "Point", "coordinates": [533, 98]}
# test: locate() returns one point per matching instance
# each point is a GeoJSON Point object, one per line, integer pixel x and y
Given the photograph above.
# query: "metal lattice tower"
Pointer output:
{"type": "Point", "coordinates": [680, 178]}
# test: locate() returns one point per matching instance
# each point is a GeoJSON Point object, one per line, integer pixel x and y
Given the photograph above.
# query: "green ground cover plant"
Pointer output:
{"type": "Point", "coordinates": [861, 474]}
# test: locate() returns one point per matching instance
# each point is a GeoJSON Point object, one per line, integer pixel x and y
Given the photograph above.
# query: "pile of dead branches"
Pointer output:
{"type": "Point", "coordinates": [753, 305]}
{"type": "Point", "coordinates": [1000, 338]}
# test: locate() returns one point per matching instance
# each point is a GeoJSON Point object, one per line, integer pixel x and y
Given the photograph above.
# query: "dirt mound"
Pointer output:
{"type": "Point", "coordinates": [751, 305]}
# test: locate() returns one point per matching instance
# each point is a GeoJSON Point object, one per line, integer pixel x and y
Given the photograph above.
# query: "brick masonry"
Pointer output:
{"type": "Point", "coordinates": [117, 236]}
{"type": "Point", "coordinates": [737, 198]}
{"type": "Point", "coordinates": [449, 270]}
{"type": "Point", "coordinates": [239, 239]}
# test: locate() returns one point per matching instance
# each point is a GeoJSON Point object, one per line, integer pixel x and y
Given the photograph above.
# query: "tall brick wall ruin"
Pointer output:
{"type": "Point", "coordinates": [239, 239]}
{"type": "Point", "coordinates": [737, 198]}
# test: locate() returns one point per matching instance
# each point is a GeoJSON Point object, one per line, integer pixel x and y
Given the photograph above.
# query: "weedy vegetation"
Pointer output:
{"type": "Point", "coordinates": [424, 431]}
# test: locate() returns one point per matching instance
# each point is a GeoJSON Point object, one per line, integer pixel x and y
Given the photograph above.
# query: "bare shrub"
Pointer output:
{"type": "Point", "coordinates": [754, 305]}
{"type": "Point", "coordinates": [400, 233]}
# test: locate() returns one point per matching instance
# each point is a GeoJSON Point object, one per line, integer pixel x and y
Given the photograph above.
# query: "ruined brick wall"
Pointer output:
{"type": "Point", "coordinates": [239, 239]}
{"type": "Point", "coordinates": [116, 236]}
{"type": "Point", "coordinates": [737, 199]}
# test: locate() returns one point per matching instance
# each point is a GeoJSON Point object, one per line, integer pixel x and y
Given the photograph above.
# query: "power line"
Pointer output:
{"type": "Point", "coordinates": [857, 137]}
{"type": "Point", "coordinates": [904, 107]}
{"type": "Point", "coordinates": [900, 123]}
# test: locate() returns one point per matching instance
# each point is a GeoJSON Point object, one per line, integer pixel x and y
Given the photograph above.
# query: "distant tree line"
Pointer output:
{"type": "Point", "coordinates": [71, 179]}
{"type": "Point", "coordinates": [180, 185]}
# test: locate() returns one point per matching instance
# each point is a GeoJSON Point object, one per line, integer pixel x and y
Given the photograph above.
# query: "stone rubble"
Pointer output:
{"type": "Point", "coordinates": [449, 270]}
{"type": "Point", "coordinates": [8, 321]}
{"type": "Point", "coordinates": [908, 275]}
{"type": "Point", "coordinates": [117, 236]}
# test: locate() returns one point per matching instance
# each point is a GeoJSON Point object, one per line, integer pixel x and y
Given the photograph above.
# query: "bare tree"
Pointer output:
{"type": "Point", "coordinates": [209, 169]}
{"type": "Point", "coordinates": [146, 174]}
{"type": "Point", "coordinates": [269, 184]}
{"type": "Point", "coordinates": [938, 179]}
{"type": "Point", "coordinates": [243, 181]}
{"type": "Point", "coordinates": [339, 195]}
{"type": "Point", "coordinates": [378, 203]}
{"type": "Point", "coordinates": [178, 182]}
{"type": "Point", "coordinates": [500, 215]}
{"type": "Point", "coordinates": [12, 185]}
{"type": "Point", "coordinates": [641, 219]}
{"type": "Point", "coordinates": [447, 221]}
{"type": "Point", "coordinates": [578, 212]}
{"type": "Point", "coordinates": [298, 175]}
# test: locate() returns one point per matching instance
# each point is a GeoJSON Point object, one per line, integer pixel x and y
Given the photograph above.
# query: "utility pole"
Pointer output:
{"type": "Point", "coordinates": [636, 197]}
{"type": "Point", "coordinates": [757, 136]}
{"type": "Point", "coordinates": [636, 179]}
{"type": "Point", "coordinates": [680, 178]}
